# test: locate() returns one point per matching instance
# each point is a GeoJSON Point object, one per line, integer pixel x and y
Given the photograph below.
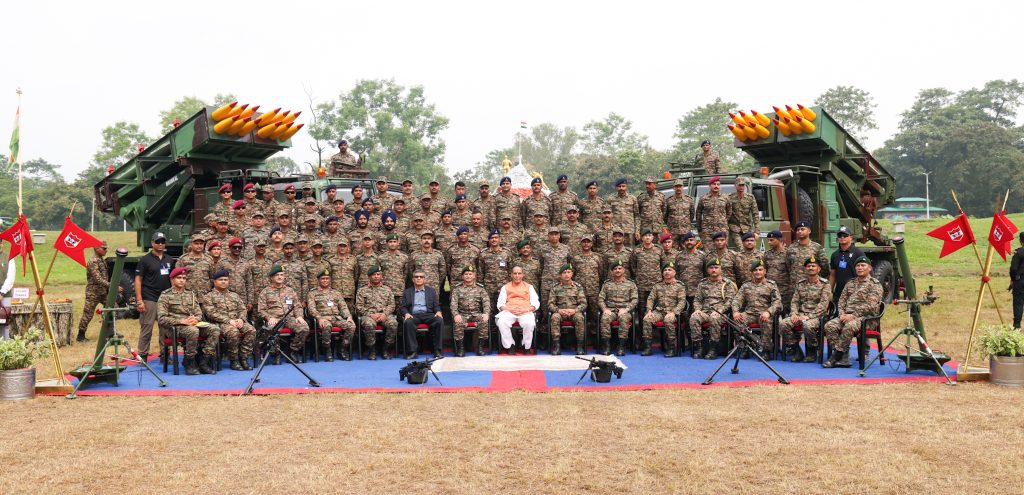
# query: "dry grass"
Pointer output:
{"type": "Point", "coordinates": [907, 438]}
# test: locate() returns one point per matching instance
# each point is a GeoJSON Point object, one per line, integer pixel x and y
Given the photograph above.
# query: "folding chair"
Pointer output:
{"type": "Point", "coordinates": [870, 328]}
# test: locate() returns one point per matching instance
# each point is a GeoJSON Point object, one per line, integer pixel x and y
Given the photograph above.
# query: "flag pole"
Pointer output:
{"type": "Point", "coordinates": [981, 264]}
{"type": "Point", "coordinates": [981, 293]}
{"type": "Point", "coordinates": [50, 268]}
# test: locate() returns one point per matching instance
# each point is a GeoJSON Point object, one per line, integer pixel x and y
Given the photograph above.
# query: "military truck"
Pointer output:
{"type": "Point", "coordinates": [825, 178]}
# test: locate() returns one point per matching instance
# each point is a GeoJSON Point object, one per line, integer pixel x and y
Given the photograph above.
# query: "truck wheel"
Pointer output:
{"type": "Point", "coordinates": [884, 274]}
{"type": "Point", "coordinates": [804, 205]}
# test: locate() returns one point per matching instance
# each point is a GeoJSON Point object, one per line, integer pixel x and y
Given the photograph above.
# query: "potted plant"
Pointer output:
{"type": "Point", "coordinates": [1005, 347]}
{"type": "Point", "coordinates": [17, 376]}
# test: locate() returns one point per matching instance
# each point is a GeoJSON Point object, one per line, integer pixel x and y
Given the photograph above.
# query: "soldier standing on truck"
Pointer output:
{"type": "Point", "coordinates": [708, 159]}
{"type": "Point", "coordinates": [345, 160]}
{"type": "Point", "coordinates": [678, 209]}
{"type": "Point", "coordinates": [713, 211]}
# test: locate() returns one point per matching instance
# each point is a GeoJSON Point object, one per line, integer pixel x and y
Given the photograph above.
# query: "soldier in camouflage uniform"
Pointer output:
{"type": "Point", "coordinates": [259, 266]}
{"type": "Point", "coordinates": [537, 233]}
{"type": "Point", "coordinates": [199, 277]}
{"type": "Point", "coordinates": [270, 203]}
{"type": "Point", "coordinates": [383, 201]}
{"type": "Point", "coordinates": [666, 303]}
{"type": "Point", "coordinates": [668, 248]}
{"type": "Point", "coordinates": [588, 267]}
{"type": "Point", "coordinates": [713, 211]}
{"type": "Point", "coordinates": [294, 272]}
{"type": "Point", "coordinates": [444, 233]}
{"type": "Point", "coordinates": [743, 214]}
{"type": "Point", "coordinates": [553, 254]}
{"type": "Point", "coordinates": [604, 231]}
{"type": "Point", "coordinates": [617, 300]}
{"type": "Point", "coordinates": [678, 209]}
{"type": "Point", "coordinates": [461, 255]}
{"type": "Point", "coordinates": [510, 236]}
{"type": "Point", "coordinates": [343, 273]}
{"type": "Point", "coordinates": [366, 259]}
{"type": "Point", "coordinates": [508, 203]}
{"type": "Point", "coordinates": [758, 301]}
{"type": "Point", "coordinates": [437, 202]}
{"type": "Point", "coordinates": [210, 220]}
{"type": "Point", "coordinates": [485, 205]}
{"type": "Point", "coordinates": [326, 207]}
{"type": "Point", "coordinates": [478, 233]}
{"type": "Point", "coordinates": [430, 261]}
{"type": "Point", "coordinates": [625, 210]}
{"type": "Point", "coordinates": [719, 248]}
{"type": "Point", "coordinates": [801, 249]}
{"type": "Point", "coordinates": [645, 263]}
{"type": "Point", "coordinates": [470, 303]}
{"type": "Point", "coordinates": [408, 193]}
{"type": "Point", "coordinates": [809, 304]}
{"type": "Point", "coordinates": [257, 230]}
{"type": "Point", "coordinates": [238, 268]}
{"type": "Point", "coordinates": [290, 205]}
{"type": "Point", "coordinates": [618, 252]}
{"type": "Point", "coordinates": [239, 219]}
{"type": "Point", "coordinates": [495, 267]}
{"type": "Point", "coordinates": [710, 303]}
{"type": "Point", "coordinates": [459, 190]}
{"type": "Point", "coordinates": [746, 255]}
{"type": "Point", "coordinates": [316, 264]}
{"type": "Point", "coordinates": [376, 305]}
{"type": "Point", "coordinates": [373, 214]}
{"type": "Point", "coordinates": [226, 308]}
{"type": "Point", "coordinates": [591, 207]}
{"type": "Point", "coordinates": [569, 300]}
{"type": "Point", "coordinates": [403, 220]}
{"type": "Point", "coordinates": [361, 230]}
{"type": "Point", "coordinates": [690, 264]}
{"type": "Point", "coordinates": [96, 286]}
{"type": "Point", "coordinates": [652, 206]}
{"type": "Point", "coordinates": [327, 306]}
{"type": "Point", "coordinates": [179, 308]}
{"type": "Point", "coordinates": [252, 204]}
{"type": "Point", "coordinates": [861, 298]}
{"type": "Point", "coordinates": [389, 222]}
{"type": "Point", "coordinates": [573, 230]}
{"type": "Point", "coordinates": [274, 301]}
{"type": "Point", "coordinates": [531, 265]}
{"type": "Point", "coordinates": [196, 252]}
{"type": "Point", "coordinates": [562, 200]}
{"type": "Point", "coordinates": [393, 264]}
{"type": "Point", "coordinates": [708, 159]}
{"type": "Point", "coordinates": [461, 214]}
{"type": "Point", "coordinates": [223, 207]}
{"type": "Point", "coordinates": [357, 200]}
{"type": "Point", "coordinates": [777, 265]}
{"type": "Point", "coordinates": [431, 219]}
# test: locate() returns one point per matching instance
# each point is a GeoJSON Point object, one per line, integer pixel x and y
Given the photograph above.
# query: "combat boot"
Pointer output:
{"type": "Point", "coordinates": [81, 337]}
{"type": "Point", "coordinates": [235, 365]}
{"type": "Point", "coordinates": [646, 351]}
{"type": "Point", "coordinates": [798, 354]}
{"type": "Point", "coordinates": [373, 354]}
{"type": "Point", "coordinates": [812, 354]}
{"type": "Point", "coordinates": [844, 360]}
{"type": "Point", "coordinates": [832, 360]}
{"type": "Point", "coordinates": [621, 349]}
{"type": "Point", "coordinates": [245, 365]}
{"type": "Point", "coordinates": [344, 352]}
{"type": "Point", "coordinates": [580, 350]}
{"type": "Point", "coordinates": [189, 364]}
{"type": "Point", "coordinates": [480, 347]}
{"type": "Point", "coordinates": [297, 356]}
{"type": "Point", "coordinates": [386, 353]}
{"type": "Point", "coordinates": [205, 366]}
{"type": "Point", "coordinates": [460, 349]}
{"type": "Point", "coordinates": [712, 352]}
{"type": "Point", "coordinates": [698, 350]}
{"type": "Point", "coordinates": [556, 348]}
{"type": "Point", "coordinates": [330, 355]}
{"type": "Point", "coordinates": [606, 347]}
{"type": "Point", "coordinates": [670, 350]}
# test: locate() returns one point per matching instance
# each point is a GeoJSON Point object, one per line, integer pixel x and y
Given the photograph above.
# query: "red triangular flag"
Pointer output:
{"type": "Point", "coordinates": [954, 235]}
{"type": "Point", "coordinates": [1001, 235]}
{"type": "Point", "coordinates": [18, 235]}
{"type": "Point", "coordinates": [73, 241]}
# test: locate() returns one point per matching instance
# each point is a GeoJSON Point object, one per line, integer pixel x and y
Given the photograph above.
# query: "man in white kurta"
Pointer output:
{"type": "Point", "coordinates": [516, 303]}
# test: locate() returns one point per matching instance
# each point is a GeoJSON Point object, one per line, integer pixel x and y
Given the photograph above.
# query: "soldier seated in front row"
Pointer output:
{"type": "Point", "coordinates": [710, 304]}
{"type": "Point", "coordinates": [666, 303]}
{"type": "Point", "coordinates": [274, 302]}
{"type": "Point", "coordinates": [470, 303]}
{"type": "Point", "coordinates": [617, 300]}
{"type": "Point", "coordinates": [569, 301]}
{"type": "Point", "coordinates": [861, 298]}
{"type": "Point", "coordinates": [809, 304]}
{"type": "Point", "coordinates": [179, 308]}
{"type": "Point", "coordinates": [757, 302]}
{"type": "Point", "coordinates": [327, 306]}
{"type": "Point", "coordinates": [226, 308]}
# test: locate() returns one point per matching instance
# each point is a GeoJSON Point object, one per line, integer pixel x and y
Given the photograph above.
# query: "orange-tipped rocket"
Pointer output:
{"type": "Point", "coordinates": [290, 132]}
{"type": "Point", "coordinates": [223, 126]}
{"type": "Point", "coordinates": [247, 127]}
{"type": "Point", "coordinates": [748, 131]}
{"type": "Point", "coordinates": [736, 118]}
{"type": "Point", "coordinates": [281, 129]}
{"type": "Point", "coordinates": [223, 112]}
{"type": "Point", "coordinates": [238, 110]}
{"type": "Point", "coordinates": [762, 131]}
{"type": "Point", "coordinates": [279, 118]}
{"type": "Point", "coordinates": [783, 127]}
{"type": "Point", "coordinates": [794, 128]}
{"type": "Point", "coordinates": [248, 112]}
{"type": "Point", "coordinates": [805, 124]}
{"type": "Point", "coordinates": [266, 131]}
{"type": "Point", "coordinates": [291, 118]}
{"type": "Point", "coordinates": [761, 118]}
{"type": "Point", "coordinates": [268, 117]}
{"type": "Point", "coordinates": [748, 120]}
{"type": "Point", "coordinates": [237, 125]}
{"type": "Point", "coordinates": [782, 113]}
{"type": "Point", "coordinates": [807, 112]}
{"type": "Point", "coordinates": [736, 131]}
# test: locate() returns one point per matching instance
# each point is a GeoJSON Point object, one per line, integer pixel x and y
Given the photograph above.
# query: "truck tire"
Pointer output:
{"type": "Point", "coordinates": [127, 297]}
{"type": "Point", "coordinates": [883, 272]}
{"type": "Point", "coordinates": [804, 205]}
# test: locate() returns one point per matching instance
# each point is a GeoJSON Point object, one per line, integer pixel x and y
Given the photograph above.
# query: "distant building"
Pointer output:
{"type": "Point", "coordinates": [910, 209]}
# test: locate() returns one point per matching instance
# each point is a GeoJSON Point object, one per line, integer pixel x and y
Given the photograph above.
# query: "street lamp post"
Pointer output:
{"type": "Point", "coordinates": [927, 196]}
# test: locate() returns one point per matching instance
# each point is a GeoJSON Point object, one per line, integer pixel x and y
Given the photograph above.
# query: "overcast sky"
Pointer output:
{"type": "Point", "coordinates": [485, 65]}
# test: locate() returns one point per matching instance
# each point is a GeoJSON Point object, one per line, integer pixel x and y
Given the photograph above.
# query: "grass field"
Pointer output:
{"type": "Point", "coordinates": [905, 438]}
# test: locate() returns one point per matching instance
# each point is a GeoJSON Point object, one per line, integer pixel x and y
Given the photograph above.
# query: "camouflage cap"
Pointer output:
{"type": "Point", "coordinates": [267, 188]}
{"type": "Point", "coordinates": [309, 201]}
{"type": "Point", "coordinates": [587, 237]}
{"type": "Point", "coordinates": [572, 208]}
{"type": "Point", "coordinates": [425, 197]}
{"type": "Point", "coordinates": [260, 241]}
{"type": "Point", "coordinates": [679, 182]}
{"type": "Point", "coordinates": [196, 236]}
{"type": "Point", "coordinates": [302, 238]}
{"type": "Point", "coordinates": [316, 241]}
{"type": "Point", "coordinates": [342, 241]}
{"type": "Point", "coordinates": [406, 181]}
{"type": "Point", "coordinates": [307, 185]}
{"type": "Point", "coordinates": [258, 213]}
{"type": "Point", "coordinates": [742, 180]}
{"type": "Point", "coordinates": [650, 180]}
{"type": "Point", "coordinates": [210, 217]}
{"type": "Point", "coordinates": [382, 178]}
{"type": "Point", "coordinates": [308, 218]}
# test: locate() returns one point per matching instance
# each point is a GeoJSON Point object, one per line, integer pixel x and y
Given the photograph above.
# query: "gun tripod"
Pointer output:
{"type": "Point", "coordinates": [273, 348]}
{"type": "Point", "coordinates": [919, 360]}
{"type": "Point", "coordinates": [744, 342]}
{"type": "Point", "coordinates": [111, 373]}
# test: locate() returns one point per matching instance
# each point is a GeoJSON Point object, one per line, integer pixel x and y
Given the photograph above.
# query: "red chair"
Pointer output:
{"type": "Point", "coordinates": [378, 330]}
{"type": "Point", "coordinates": [566, 326]}
{"type": "Point", "coordinates": [171, 344]}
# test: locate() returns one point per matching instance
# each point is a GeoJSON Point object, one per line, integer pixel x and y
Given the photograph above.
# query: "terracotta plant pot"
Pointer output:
{"type": "Point", "coordinates": [1007, 371]}
{"type": "Point", "coordinates": [18, 384]}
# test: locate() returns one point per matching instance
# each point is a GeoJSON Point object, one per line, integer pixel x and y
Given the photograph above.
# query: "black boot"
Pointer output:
{"type": "Point", "coordinates": [81, 337]}
{"type": "Point", "coordinates": [344, 352]}
{"type": "Point", "coordinates": [235, 365]}
{"type": "Point", "coordinates": [245, 364]}
{"type": "Point", "coordinates": [698, 350]}
{"type": "Point", "coordinates": [189, 364]}
{"type": "Point", "coordinates": [206, 366]}
{"type": "Point", "coordinates": [386, 353]}
{"type": "Point", "coordinates": [606, 347]}
{"type": "Point", "coordinates": [798, 354]}
{"type": "Point", "coordinates": [844, 360]}
{"type": "Point", "coordinates": [556, 348]}
{"type": "Point", "coordinates": [621, 349]}
{"type": "Point", "coordinates": [145, 358]}
{"type": "Point", "coordinates": [460, 348]}
{"type": "Point", "coordinates": [276, 359]}
{"type": "Point", "coordinates": [712, 352]}
{"type": "Point", "coordinates": [479, 347]}
{"type": "Point", "coordinates": [297, 356]}
{"type": "Point", "coordinates": [832, 360]}
{"type": "Point", "coordinates": [812, 354]}
{"type": "Point", "coordinates": [646, 350]}
{"type": "Point", "coordinates": [670, 350]}
{"type": "Point", "coordinates": [580, 350]}
{"type": "Point", "coordinates": [373, 354]}
{"type": "Point", "coordinates": [330, 355]}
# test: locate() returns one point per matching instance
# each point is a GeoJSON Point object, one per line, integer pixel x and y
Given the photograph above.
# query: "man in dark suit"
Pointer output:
{"type": "Point", "coordinates": [421, 305]}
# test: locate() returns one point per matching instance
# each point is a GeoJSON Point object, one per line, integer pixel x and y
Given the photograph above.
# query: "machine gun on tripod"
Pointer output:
{"type": "Point", "coordinates": [601, 370]}
{"type": "Point", "coordinates": [416, 371]}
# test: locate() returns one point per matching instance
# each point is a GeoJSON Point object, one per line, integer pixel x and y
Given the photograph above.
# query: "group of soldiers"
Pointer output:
{"type": "Point", "coordinates": [597, 263]}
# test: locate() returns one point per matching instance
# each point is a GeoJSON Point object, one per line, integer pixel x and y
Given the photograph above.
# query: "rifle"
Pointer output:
{"type": "Point", "coordinates": [416, 371]}
{"type": "Point", "coordinates": [602, 370]}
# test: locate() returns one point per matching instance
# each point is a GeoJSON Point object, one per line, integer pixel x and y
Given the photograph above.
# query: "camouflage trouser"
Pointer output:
{"type": "Point", "coordinates": [734, 237]}
{"type": "Point", "coordinates": [369, 327]}
{"type": "Point", "coordinates": [300, 330]}
{"type": "Point", "coordinates": [623, 316]}
{"type": "Point", "coordinates": [481, 320]}
{"type": "Point", "coordinates": [545, 294]}
{"type": "Point", "coordinates": [210, 334]}
{"type": "Point", "coordinates": [766, 329]}
{"type": "Point", "coordinates": [577, 320]}
{"type": "Point", "coordinates": [840, 334]}
{"type": "Point", "coordinates": [653, 317]}
{"type": "Point", "coordinates": [348, 329]}
{"type": "Point", "coordinates": [240, 341]}
{"type": "Point", "coordinates": [91, 301]}
{"type": "Point", "coordinates": [808, 327]}
{"type": "Point", "coordinates": [593, 312]}
{"type": "Point", "coordinates": [351, 303]}
{"type": "Point", "coordinates": [641, 300]}
{"type": "Point", "coordinates": [715, 323]}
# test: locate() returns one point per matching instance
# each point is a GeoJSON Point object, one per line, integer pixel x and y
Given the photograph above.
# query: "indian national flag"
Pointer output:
{"type": "Point", "coordinates": [522, 125]}
{"type": "Point", "coordinates": [15, 139]}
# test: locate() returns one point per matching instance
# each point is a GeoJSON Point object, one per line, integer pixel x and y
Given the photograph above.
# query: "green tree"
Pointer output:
{"type": "Point", "coordinates": [611, 136]}
{"type": "Point", "coordinates": [284, 166]}
{"type": "Point", "coordinates": [708, 122]}
{"type": "Point", "coordinates": [397, 130]}
{"type": "Point", "coordinates": [853, 108]}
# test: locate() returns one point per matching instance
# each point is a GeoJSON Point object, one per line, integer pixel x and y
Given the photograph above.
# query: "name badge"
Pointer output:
{"type": "Point", "coordinates": [165, 271]}
{"type": "Point", "coordinates": [502, 263]}
{"type": "Point", "coordinates": [330, 304]}
{"type": "Point", "coordinates": [842, 263]}
{"type": "Point", "coordinates": [288, 302]}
